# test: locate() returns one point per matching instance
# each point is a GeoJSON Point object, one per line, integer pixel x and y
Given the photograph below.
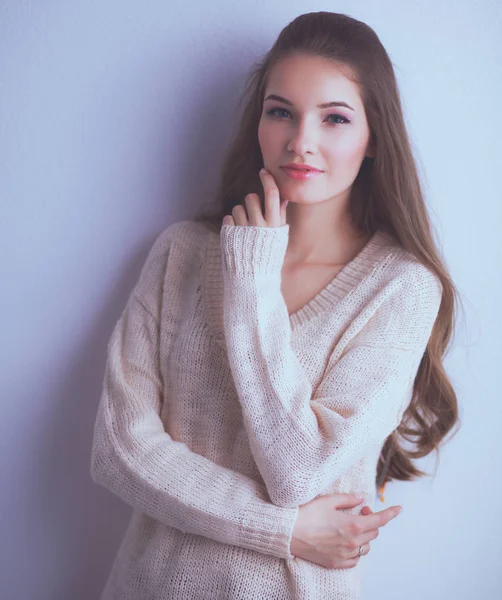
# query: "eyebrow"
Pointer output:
{"type": "Point", "coordinates": [325, 105]}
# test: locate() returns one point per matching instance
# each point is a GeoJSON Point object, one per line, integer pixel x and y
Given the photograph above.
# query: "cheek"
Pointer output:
{"type": "Point", "coordinates": [266, 137]}
{"type": "Point", "coordinates": [348, 152]}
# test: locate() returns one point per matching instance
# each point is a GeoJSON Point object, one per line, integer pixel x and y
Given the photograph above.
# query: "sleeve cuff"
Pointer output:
{"type": "Point", "coordinates": [249, 249]}
{"type": "Point", "coordinates": [268, 528]}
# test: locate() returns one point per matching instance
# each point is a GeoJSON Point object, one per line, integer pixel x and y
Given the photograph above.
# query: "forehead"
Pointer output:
{"type": "Point", "coordinates": [311, 80]}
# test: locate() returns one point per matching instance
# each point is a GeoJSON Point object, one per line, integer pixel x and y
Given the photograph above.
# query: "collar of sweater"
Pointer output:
{"type": "Point", "coordinates": [376, 250]}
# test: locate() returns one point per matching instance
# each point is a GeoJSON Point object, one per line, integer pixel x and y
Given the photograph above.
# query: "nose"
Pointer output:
{"type": "Point", "coordinates": [303, 140]}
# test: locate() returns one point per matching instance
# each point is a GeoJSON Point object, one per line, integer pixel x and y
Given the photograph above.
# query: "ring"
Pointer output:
{"type": "Point", "coordinates": [360, 551]}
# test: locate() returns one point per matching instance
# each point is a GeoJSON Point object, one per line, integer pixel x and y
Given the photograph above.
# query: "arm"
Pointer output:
{"type": "Point", "coordinates": [302, 441]}
{"type": "Point", "coordinates": [134, 457]}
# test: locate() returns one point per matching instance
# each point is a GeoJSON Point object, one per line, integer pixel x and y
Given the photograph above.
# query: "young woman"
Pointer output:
{"type": "Point", "coordinates": [273, 350]}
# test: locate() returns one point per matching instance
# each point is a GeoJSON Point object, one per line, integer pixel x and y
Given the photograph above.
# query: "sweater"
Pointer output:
{"type": "Point", "coordinates": [221, 414]}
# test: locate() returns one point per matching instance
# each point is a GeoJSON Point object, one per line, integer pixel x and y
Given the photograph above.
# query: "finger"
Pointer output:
{"type": "Point", "coordinates": [228, 220]}
{"type": "Point", "coordinates": [239, 215]}
{"type": "Point", "coordinates": [389, 513]}
{"type": "Point", "coordinates": [253, 208]}
{"type": "Point", "coordinates": [347, 564]}
{"type": "Point", "coordinates": [346, 500]}
{"type": "Point", "coordinates": [353, 560]}
{"type": "Point", "coordinates": [283, 212]}
{"type": "Point", "coordinates": [365, 550]}
{"type": "Point", "coordinates": [366, 537]}
{"type": "Point", "coordinates": [272, 199]}
{"type": "Point", "coordinates": [377, 519]}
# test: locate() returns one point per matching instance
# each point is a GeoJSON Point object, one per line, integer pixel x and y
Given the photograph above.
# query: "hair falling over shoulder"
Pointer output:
{"type": "Point", "coordinates": [387, 195]}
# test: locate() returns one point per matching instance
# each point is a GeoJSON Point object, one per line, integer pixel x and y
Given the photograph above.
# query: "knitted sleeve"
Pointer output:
{"type": "Point", "coordinates": [301, 441]}
{"type": "Point", "coordinates": [136, 459]}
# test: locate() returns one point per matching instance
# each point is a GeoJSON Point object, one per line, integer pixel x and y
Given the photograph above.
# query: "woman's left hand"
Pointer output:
{"type": "Point", "coordinates": [251, 214]}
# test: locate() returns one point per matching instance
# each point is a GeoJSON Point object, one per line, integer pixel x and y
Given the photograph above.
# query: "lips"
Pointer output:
{"type": "Point", "coordinates": [301, 175]}
{"type": "Point", "coordinates": [304, 168]}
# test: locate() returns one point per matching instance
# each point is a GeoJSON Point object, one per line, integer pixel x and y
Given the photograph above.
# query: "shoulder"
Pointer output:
{"type": "Point", "coordinates": [177, 249]}
{"type": "Point", "coordinates": [401, 303]}
{"type": "Point", "coordinates": [415, 281]}
{"type": "Point", "coordinates": [186, 235]}
{"type": "Point", "coordinates": [399, 271]}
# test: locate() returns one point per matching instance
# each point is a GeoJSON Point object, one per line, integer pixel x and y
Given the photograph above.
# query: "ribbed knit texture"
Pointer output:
{"type": "Point", "coordinates": [221, 413]}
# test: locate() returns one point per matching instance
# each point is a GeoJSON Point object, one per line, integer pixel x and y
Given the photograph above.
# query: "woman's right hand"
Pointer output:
{"type": "Point", "coordinates": [331, 538]}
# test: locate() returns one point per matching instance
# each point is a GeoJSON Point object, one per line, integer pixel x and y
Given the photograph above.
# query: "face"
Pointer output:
{"type": "Point", "coordinates": [334, 140]}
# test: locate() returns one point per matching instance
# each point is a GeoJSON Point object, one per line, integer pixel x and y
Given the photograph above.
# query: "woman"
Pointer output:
{"type": "Point", "coordinates": [273, 350]}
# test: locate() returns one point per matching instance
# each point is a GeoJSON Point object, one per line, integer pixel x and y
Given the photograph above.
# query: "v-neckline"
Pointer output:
{"type": "Point", "coordinates": [375, 249]}
{"type": "Point", "coordinates": [345, 280]}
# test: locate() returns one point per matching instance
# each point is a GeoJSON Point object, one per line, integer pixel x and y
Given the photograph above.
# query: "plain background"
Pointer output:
{"type": "Point", "coordinates": [114, 118]}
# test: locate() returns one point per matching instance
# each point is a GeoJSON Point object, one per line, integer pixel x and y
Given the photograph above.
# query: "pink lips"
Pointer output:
{"type": "Point", "coordinates": [301, 175]}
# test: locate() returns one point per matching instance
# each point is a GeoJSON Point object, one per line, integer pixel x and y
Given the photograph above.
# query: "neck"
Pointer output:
{"type": "Point", "coordinates": [322, 233]}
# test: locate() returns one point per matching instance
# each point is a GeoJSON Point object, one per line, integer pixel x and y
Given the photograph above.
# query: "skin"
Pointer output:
{"type": "Point", "coordinates": [320, 229]}
{"type": "Point", "coordinates": [320, 232]}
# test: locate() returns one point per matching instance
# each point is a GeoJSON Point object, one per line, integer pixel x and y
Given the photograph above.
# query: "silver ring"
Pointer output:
{"type": "Point", "coordinates": [360, 551]}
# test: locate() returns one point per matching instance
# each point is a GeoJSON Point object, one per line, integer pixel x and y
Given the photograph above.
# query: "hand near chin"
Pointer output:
{"type": "Point", "coordinates": [251, 214]}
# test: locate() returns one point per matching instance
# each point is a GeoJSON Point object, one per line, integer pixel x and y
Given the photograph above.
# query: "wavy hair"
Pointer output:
{"type": "Point", "coordinates": [386, 195]}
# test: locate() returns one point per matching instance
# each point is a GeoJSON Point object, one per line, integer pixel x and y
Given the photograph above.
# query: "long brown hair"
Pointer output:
{"type": "Point", "coordinates": [389, 197]}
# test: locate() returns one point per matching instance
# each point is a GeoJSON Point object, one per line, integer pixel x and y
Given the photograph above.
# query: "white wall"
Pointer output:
{"type": "Point", "coordinates": [113, 117]}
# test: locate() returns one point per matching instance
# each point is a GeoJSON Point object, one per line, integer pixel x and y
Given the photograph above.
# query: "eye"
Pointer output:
{"type": "Point", "coordinates": [344, 120]}
{"type": "Point", "coordinates": [272, 112]}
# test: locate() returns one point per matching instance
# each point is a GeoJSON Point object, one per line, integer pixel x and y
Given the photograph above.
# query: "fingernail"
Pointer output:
{"type": "Point", "coordinates": [262, 171]}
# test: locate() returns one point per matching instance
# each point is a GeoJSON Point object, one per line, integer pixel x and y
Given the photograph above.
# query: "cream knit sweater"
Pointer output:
{"type": "Point", "coordinates": [221, 413]}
